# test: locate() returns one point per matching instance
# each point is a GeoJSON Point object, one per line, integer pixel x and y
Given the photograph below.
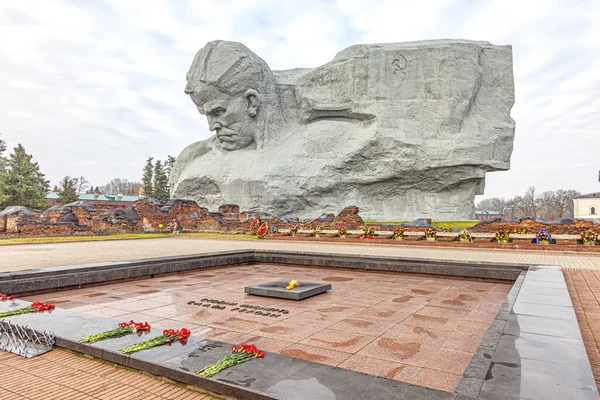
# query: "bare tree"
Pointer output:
{"type": "Point", "coordinates": [528, 202]}
{"type": "Point", "coordinates": [81, 184]}
{"type": "Point", "coordinates": [547, 205]}
{"type": "Point", "coordinates": [558, 204]}
{"type": "Point", "coordinates": [492, 204]}
{"type": "Point", "coordinates": [121, 186]}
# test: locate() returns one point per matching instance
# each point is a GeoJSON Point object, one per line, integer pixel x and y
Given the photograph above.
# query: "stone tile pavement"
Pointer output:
{"type": "Point", "coordinates": [582, 272]}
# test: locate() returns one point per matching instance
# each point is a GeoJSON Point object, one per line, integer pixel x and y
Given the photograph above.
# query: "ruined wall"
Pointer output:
{"type": "Point", "coordinates": [533, 226]}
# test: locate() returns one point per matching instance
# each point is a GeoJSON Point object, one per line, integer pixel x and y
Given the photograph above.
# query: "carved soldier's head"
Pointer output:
{"type": "Point", "coordinates": [237, 92]}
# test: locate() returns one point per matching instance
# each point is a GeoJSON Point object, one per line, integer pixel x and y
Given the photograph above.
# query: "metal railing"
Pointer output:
{"type": "Point", "coordinates": [23, 340]}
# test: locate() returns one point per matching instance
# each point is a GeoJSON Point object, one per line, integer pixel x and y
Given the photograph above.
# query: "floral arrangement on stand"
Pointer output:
{"type": "Point", "coordinates": [465, 235]}
{"type": "Point", "coordinates": [4, 296]}
{"type": "Point", "coordinates": [254, 224]}
{"type": "Point", "coordinates": [502, 236]}
{"type": "Point", "coordinates": [262, 230]}
{"type": "Point", "coordinates": [169, 336]}
{"type": "Point", "coordinates": [543, 237]}
{"type": "Point", "coordinates": [342, 232]}
{"type": "Point", "coordinates": [125, 328]}
{"type": "Point", "coordinates": [589, 237]}
{"type": "Point", "coordinates": [368, 233]}
{"type": "Point", "coordinates": [33, 307]}
{"type": "Point", "coordinates": [430, 234]}
{"type": "Point", "coordinates": [398, 233]}
{"type": "Point", "coordinates": [317, 232]}
{"type": "Point", "coordinates": [304, 224]}
{"type": "Point", "coordinates": [521, 230]}
{"type": "Point", "coordinates": [238, 355]}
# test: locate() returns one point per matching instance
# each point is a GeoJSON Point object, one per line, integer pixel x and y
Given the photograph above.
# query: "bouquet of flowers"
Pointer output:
{"type": "Point", "coordinates": [294, 230]}
{"type": "Point", "coordinates": [398, 233]}
{"type": "Point", "coordinates": [589, 237]}
{"type": "Point", "coordinates": [502, 236]}
{"type": "Point", "coordinates": [33, 307]}
{"type": "Point", "coordinates": [430, 233]}
{"type": "Point", "coordinates": [464, 235]}
{"type": "Point", "coordinates": [521, 230]}
{"type": "Point", "coordinates": [446, 230]}
{"type": "Point", "coordinates": [4, 296]}
{"type": "Point", "coordinates": [169, 336]}
{"type": "Point", "coordinates": [125, 328]}
{"type": "Point", "coordinates": [237, 356]}
{"type": "Point", "coordinates": [342, 232]}
{"type": "Point", "coordinates": [317, 232]}
{"type": "Point", "coordinates": [543, 237]}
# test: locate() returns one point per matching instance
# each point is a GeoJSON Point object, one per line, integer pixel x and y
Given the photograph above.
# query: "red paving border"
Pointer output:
{"type": "Point", "coordinates": [64, 375]}
{"type": "Point", "coordinates": [584, 288]}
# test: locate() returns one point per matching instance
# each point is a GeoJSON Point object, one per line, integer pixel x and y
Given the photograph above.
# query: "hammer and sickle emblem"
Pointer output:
{"type": "Point", "coordinates": [399, 64]}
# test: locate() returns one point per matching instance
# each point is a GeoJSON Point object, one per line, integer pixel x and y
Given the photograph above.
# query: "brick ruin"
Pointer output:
{"type": "Point", "coordinates": [148, 215]}
{"type": "Point", "coordinates": [563, 227]}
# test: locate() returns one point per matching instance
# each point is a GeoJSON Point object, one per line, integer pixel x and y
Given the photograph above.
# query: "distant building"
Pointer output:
{"type": "Point", "coordinates": [485, 215]}
{"type": "Point", "coordinates": [587, 206]}
{"type": "Point", "coordinates": [100, 200]}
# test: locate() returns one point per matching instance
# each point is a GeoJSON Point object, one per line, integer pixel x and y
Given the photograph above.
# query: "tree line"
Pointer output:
{"type": "Point", "coordinates": [23, 184]}
{"type": "Point", "coordinates": [155, 178]}
{"type": "Point", "coordinates": [551, 205]}
{"type": "Point", "coordinates": [21, 181]}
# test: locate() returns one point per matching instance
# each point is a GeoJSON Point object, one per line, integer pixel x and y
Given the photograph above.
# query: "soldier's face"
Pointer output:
{"type": "Point", "coordinates": [228, 117]}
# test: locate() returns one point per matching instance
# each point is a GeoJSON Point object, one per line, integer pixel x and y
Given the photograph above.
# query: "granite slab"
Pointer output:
{"type": "Point", "coordinates": [274, 377]}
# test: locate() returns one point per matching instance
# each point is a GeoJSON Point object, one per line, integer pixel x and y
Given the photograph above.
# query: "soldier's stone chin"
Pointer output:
{"type": "Point", "coordinates": [231, 141]}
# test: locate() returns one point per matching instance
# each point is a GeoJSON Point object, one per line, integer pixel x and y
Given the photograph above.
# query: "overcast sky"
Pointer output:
{"type": "Point", "coordinates": [95, 87]}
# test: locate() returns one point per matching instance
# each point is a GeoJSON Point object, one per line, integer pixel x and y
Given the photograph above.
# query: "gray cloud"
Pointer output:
{"type": "Point", "coordinates": [94, 88]}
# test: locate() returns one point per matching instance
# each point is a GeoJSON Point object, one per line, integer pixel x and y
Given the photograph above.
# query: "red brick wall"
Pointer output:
{"type": "Point", "coordinates": [53, 215]}
{"type": "Point", "coordinates": [229, 209]}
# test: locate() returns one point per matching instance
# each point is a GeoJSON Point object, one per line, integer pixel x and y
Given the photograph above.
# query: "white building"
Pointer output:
{"type": "Point", "coordinates": [587, 206]}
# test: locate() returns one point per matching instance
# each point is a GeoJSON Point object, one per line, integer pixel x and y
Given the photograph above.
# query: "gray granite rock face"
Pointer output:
{"type": "Point", "coordinates": [401, 130]}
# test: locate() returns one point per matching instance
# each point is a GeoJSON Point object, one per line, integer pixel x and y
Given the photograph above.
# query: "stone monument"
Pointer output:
{"type": "Point", "coordinates": [401, 130]}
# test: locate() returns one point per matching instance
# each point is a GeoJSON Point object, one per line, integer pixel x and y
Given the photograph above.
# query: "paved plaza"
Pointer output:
{"type": "Point", "coordinates": [340, 328]}
{"type": "Point", "coordinates": [19, 257]}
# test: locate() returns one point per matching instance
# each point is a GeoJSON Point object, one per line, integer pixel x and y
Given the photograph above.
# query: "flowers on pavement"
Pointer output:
{"type": "Point", "coordinates": [237, 356]}
{"type": "Point", "coordinates": [125, 328]}
{"type": "Point", "coordinates": [169, 336]}
{"type": "Point", "coordinates": [33, 307]}
{"type": "Point", "coordinates": [4, 296]}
